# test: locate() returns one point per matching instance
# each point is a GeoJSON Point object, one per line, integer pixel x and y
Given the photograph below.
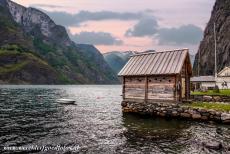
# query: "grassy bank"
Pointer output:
{"type": "Point", "coordinates": [223, 92]}
{"type": "Point", "coordinates": [205, 105]}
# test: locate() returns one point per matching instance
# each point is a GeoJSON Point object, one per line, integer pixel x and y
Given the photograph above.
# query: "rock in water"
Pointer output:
{"type": "Point", "coordinates": [225, 117]}
{"type": "Point", "coordinates": [213, 145]}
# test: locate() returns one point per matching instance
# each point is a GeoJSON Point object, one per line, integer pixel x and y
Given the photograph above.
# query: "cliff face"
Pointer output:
{"type": "Point", "coordinates": [32, 19]}
{"type": "Point", "coordinates": [10, 32]}
{"type": "Point", "coordinates": [25, 68]}
{"type": "Point", "coordinates": [32, 30]}
{"type": "Point", "coordinates": [221, 17]}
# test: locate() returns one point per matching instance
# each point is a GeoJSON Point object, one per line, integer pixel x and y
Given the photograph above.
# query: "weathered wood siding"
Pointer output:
{"type": "Point", "coordinates": [161, 88]}
{"type": "Point", "coordinates": [134, 87]}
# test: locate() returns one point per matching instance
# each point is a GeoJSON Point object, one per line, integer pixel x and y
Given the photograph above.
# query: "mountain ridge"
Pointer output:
{"type": "Point", "coordinates": [37, 32]}
{"type": "Point", "coordinates": [117, 59]}
{"type": "Point", "coordinates": [205, 57]}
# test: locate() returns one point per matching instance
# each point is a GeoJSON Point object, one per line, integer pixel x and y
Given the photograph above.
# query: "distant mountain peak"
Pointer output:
{"type": "Point", "coordinates": [117, 59]}
{"type": "Point", "coordinates": [28, 29]}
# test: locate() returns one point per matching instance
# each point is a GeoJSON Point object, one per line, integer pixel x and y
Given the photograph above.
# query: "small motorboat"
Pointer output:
{"type": "Point", "coordinates": [66, 101]}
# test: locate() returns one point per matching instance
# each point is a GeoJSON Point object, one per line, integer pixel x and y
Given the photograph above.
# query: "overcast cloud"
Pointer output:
{"type": "Point", "coordinates": [46, 6]}
{"type": "Point", "coordinates": [67, 19]}
{"type": "Point", "coordinates": [96, 38]}
{"type": "Point", "coordinates": [145, 27]}
{"type": "Point", "coordinates": [186, 34]}
{"type": "Point", "coordinates": [130, 24]}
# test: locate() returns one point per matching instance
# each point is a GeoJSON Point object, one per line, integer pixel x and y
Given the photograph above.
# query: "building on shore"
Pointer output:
{"type": "Point", "coordinates": [203, 82]}
{"type": "Point", "coordinates": [223, 78]}
{"type": "Point", "coordinates": [157, 76]}
{"type": "Point", "coordinates": [209, 82]}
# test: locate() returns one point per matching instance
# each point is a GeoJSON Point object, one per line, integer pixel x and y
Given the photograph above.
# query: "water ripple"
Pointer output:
{"type": "Point", "coordinates": [30, 115]}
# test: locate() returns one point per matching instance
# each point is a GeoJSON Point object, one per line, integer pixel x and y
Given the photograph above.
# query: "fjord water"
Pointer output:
{"type": "Point", "coordinates": [30, 115]}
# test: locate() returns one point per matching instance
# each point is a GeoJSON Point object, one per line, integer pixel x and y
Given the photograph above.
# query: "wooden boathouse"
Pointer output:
{"type": "Point", "coordinates": [161, 76]}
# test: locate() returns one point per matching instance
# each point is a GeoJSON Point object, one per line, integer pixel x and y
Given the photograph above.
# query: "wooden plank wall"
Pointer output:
{"type": "Point", "coordinates": [186, 76]}
{"type": "Point", "coordinates": [161, 87]}
{"type": "Point", "coordinates": [177, 91]}
{"type": "Point", "coordinates": [135, 87]}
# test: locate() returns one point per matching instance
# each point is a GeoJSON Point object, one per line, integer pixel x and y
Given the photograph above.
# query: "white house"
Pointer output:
{"type": "Point", "coordinates": [223, 78]}
{"type": "Point", "coordinates": [203, 82]}
{"type": "Point", "coordinates": [209, 82]}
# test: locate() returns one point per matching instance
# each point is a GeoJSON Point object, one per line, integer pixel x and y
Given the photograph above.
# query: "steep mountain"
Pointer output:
{"type": "Point", "coordinates": [221, 17]}
{"type": "Point", "coordinates": [25, 68]}
{"type": "Point", "coordinates": [10, 31]}
{"type": "Point", "coordinates": [32, 30]}
{"type": "Point", "coordinates": [117, 59]}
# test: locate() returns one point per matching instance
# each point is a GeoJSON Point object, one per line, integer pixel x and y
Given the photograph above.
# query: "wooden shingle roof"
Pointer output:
{"type": "Point", "coordinates": [156, 63]}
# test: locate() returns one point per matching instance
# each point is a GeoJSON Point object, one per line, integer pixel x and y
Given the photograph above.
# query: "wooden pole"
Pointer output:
{"type": "Point", "coordinates": [123, 88]}
{"type": "Point", "coordinates": [146, 88]}
{"type": "Point", "coordinates": [214, 28]}
{"type": "Point", "coordinates": [186, 79]}
{"type": "Point", "coordinates": [180, 90]}
{"type": "Point", "coordinates": [175, 88]}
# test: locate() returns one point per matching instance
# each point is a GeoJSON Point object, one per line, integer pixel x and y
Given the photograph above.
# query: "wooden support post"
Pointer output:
{"type": "Point", "coordinates": [180, 96]}
{"type": "Point", "coordinates": [123, 88]}
{"type": "Point", "coordinates": [186, 80]}
{"type": "Point", "coordinates": [189, 87]}
{"type": "Point", "coordinates": [175, 93]}
{"type": "Point", "coordinates": [146, 88]}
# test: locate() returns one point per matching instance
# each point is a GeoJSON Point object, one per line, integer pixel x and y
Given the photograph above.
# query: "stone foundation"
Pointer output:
{"type": "Point", "coordinates": [208, 98]}
{"type": "Point", "coordinates": [175, 110]}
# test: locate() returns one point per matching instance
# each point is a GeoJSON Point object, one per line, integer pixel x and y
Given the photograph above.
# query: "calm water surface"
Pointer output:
{"type": "Point", "coordinates": [30, 115]}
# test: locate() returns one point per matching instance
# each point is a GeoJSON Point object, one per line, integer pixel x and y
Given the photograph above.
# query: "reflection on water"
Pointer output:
{"type": "Point", "coordinates": [30, 115]}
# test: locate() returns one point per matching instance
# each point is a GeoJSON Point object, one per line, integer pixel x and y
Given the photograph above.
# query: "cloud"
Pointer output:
{"type": "Point", "coordinates": [96, 38]}
{"type": "Point", "coordinates": [186, 34]}
{"type": "Point", "coordinates": [46, 6]}
{"type": "Point", "coordinates": [62, 18]}
{"type": "Point", "coordinates": [67, 19]}
{"type": "Point", "coordinates": [145, 27]}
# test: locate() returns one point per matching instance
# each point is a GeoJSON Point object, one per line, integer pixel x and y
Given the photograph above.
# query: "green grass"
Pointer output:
{"type": "Point", "coordinates": [223, 92]}
{"type": "Point", "coordinates": [205, 105]}
{"type": "Point", "coordinates": [12, 67]}
{"type": "Point", "coordinates": [43, 47]}
{"type": "Point", "coordinates": [28, 58]}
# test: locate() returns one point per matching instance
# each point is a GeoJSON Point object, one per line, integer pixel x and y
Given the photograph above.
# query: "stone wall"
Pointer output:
{"type": "Point", "coordinates": [208, 98]}
{"type": "Point", "coordinates": [173, 110]}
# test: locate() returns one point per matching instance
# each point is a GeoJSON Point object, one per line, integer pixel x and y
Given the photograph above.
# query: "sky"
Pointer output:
{"type": "Point", "coordinates": [136, 25]}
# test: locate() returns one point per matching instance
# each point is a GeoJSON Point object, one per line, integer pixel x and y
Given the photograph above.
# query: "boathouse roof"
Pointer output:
{"type": "Point", "coordinates": [156, 63]}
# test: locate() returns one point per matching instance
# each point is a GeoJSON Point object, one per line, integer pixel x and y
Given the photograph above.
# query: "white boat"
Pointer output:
{"type": "Point", "coordinates": [66, 101]}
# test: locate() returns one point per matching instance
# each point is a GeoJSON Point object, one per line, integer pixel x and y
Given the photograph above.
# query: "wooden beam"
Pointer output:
{"type": "Point", "coordinates": [146, 88]}
{"type": "Point", "coordinates": [180, 92]}
{"type": "Point", "coordinates": [186, 79]}
{"type": "Point", "coordinates": [175, 87]}
{"type": "Point", "coordinates": [189, 87]}
{"type": "Point", "coordinates": [123, 88]}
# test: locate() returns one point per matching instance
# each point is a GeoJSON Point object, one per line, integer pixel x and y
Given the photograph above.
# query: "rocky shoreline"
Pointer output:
{"type": "Point", "coordinates": [211, 98]}
{"type": "Point", "coordinates": [175, 110]}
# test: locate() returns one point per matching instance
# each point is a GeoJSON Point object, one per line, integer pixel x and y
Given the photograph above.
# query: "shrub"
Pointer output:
{"type": "Point", "coordinates": [216, 89]}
